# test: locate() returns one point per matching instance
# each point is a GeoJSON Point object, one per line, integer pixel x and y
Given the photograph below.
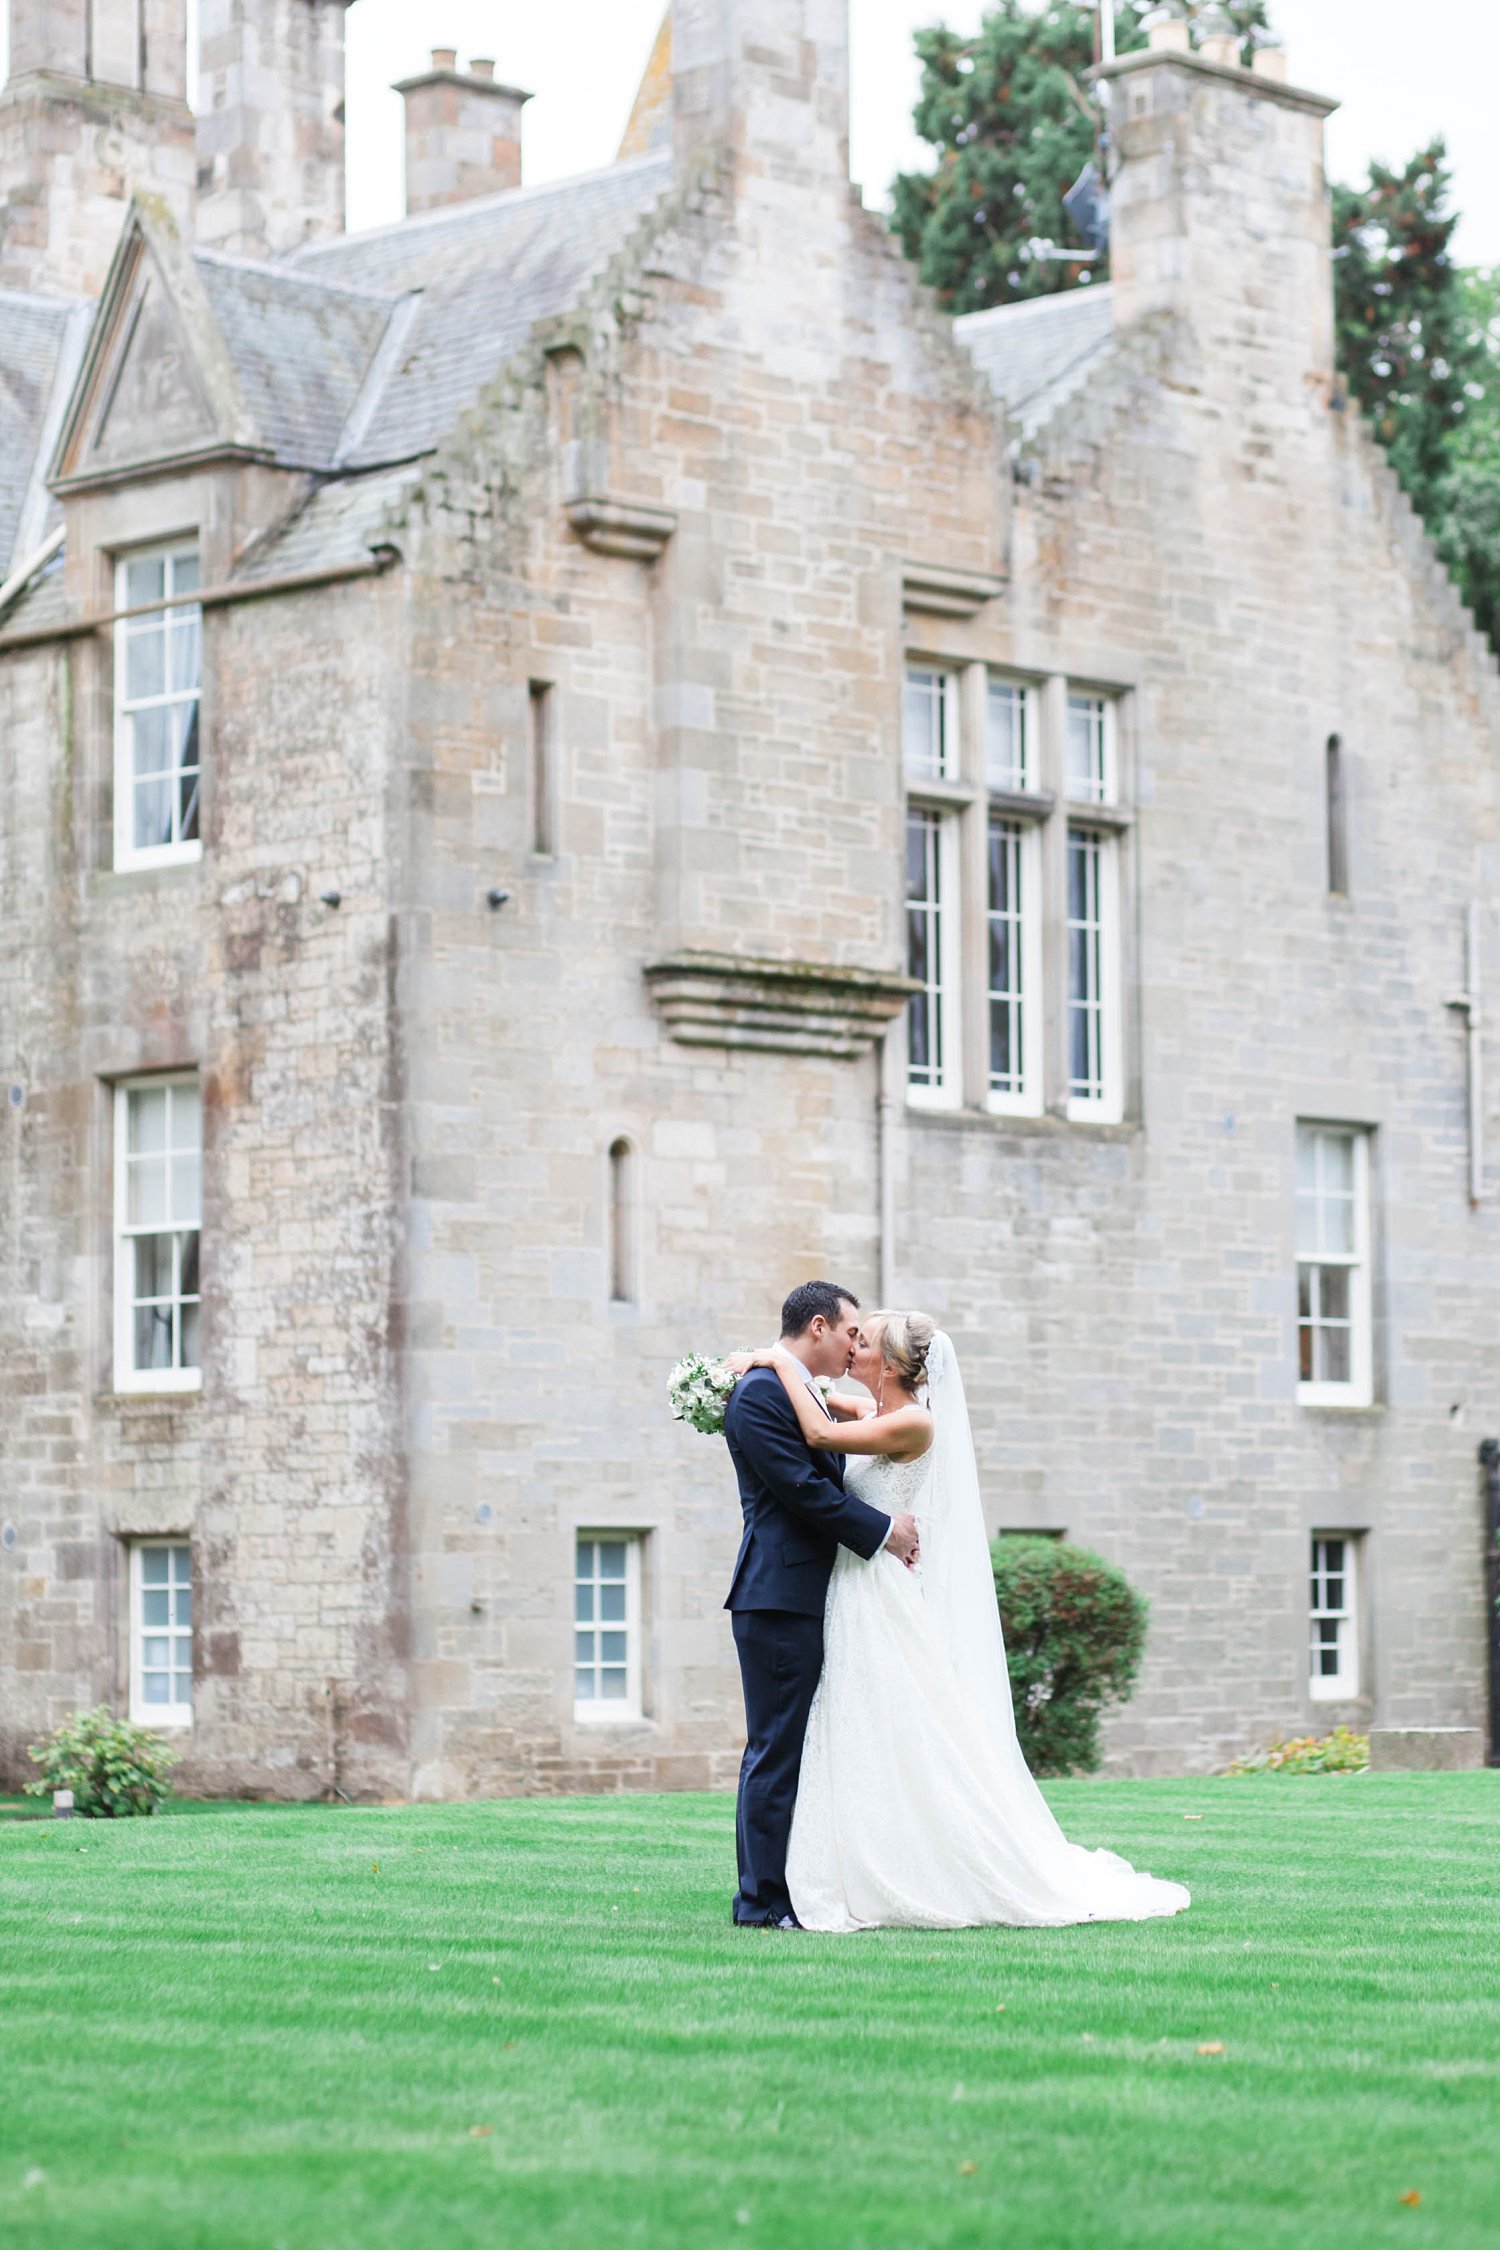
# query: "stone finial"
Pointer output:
{"type": "Point", "coordinates": [1271, 62]}
{"type": "Point", "coordinates": [1218, 41]}
{"type": "Point", "coordinates": [1166, 27]}
{"type": "Point", "coordinates": [463, 132]}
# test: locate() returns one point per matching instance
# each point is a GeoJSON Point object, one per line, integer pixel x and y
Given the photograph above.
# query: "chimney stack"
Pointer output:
{"type": "Point", "coordinates": [766, 80]}
{"type": "Point", "coordinates": [463, 132]}
{"type": "Point", "coordinates": [1219, 211]}
{"type": "Point", "coordinates": [270, 124]}
{"type": "Point", "coordinates": [94, 111]}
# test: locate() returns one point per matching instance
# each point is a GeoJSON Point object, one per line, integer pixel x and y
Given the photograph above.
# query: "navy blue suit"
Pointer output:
{"type": "Point", "coordinates": [797, 1516]}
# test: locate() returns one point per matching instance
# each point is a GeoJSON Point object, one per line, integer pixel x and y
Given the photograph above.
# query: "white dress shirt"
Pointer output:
{"type": "Point", "coordinates": [811, 1381]}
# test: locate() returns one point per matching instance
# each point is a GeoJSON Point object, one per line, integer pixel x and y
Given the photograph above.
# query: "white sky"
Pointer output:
{"type": "Point", "coordinates": [1401, 74]}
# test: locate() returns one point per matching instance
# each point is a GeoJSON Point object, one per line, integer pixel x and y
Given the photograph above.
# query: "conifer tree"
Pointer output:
{"type": "Point", "coordinates": [1406, 338]}
{"type": "Point", "coordinates": [1013, 126]}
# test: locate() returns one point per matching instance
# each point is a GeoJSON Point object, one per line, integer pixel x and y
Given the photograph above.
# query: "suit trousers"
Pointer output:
{"type": "Point", "coordinates": [781, 1658]}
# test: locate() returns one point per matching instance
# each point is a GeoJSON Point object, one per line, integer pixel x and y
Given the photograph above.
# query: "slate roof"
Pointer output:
{"type": "Point", "coordinates": [1038, 353]}
{"type": "Point", "coordinates": [339, 522]}
{"type": "Point", "coordinates": [488, 271]}
{"type": "Point", "coordinates": [40, 338]}
{"type": "Point", "coordinates": [300, 347]}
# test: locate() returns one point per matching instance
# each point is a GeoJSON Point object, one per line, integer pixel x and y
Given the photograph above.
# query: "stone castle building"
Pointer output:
{"type": "Point", "coordinates": [574, 760]}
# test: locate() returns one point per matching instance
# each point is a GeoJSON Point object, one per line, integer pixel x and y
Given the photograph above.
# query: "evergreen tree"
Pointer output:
{"type": "Point", "coordinates": [1465, 516]}
{"type": "Point", "coordinates": [1013, 127]}
{"type": "Point", "coordinates": [1406, 338]}
{"type": "Point", "coordinates": [1418, 342]}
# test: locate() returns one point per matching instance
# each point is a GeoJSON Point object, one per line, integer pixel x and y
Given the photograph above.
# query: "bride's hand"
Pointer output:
{"type": "Point", "coordinates": [740, 1363]}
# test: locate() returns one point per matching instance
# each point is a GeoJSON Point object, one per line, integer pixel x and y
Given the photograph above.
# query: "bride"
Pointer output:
{"type": "Point", "coordinates": [915, 1807]}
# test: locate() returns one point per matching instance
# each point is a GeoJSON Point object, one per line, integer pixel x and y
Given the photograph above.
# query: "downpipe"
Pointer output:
{"type": "Point", "coordinates": [1489, 1462]}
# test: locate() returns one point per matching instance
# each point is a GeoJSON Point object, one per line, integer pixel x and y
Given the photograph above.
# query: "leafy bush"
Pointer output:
{"type": "Point", "coordinates": [1075, 1631]}
{"type": "Point", "coordinates": [1343, 1751]}
{"type": "Point", "coordinates": [114, 1769]}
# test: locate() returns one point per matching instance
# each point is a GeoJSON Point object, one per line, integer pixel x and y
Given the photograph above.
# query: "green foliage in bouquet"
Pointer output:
{"type": "Point", "coordinates": [114, 1769]}
{"type": "Point", "coordinates": [1075, 1631]}
{"type": "Point", "coordinates": [698, 1389]}
{"type": "Point", "coordinates": [1343, 1751]}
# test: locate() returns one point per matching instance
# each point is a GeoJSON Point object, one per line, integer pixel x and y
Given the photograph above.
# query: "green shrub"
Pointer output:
{"type": "Point", "coordinates": [114, 1769]}
{"type": "Point", "coordinates": [1343, 1751]}
{"type": "Point", "coordinates": [1074, 1634]}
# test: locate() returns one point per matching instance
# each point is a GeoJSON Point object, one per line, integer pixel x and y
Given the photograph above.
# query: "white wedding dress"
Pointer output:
{"type": "Point", "coordinates": [915, 1807]}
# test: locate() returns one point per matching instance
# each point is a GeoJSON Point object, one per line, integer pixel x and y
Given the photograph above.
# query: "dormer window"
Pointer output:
{"type": "Point", "coordinates": [158, 678]}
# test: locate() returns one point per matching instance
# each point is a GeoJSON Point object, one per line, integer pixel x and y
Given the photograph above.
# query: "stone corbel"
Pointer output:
{"type": "Point", "coordinates": [937, 591]}
{"type": "Point", "coordinates": [622, 527]}
{"type": "Point", "coordinates": [781, 1007]}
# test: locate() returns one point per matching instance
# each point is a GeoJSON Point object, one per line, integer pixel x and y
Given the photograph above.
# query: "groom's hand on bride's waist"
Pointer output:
{"type": "Point", "coordinates": [901, 1539]}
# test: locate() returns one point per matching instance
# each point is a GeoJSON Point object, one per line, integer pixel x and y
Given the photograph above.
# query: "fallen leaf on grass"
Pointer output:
{"type": "Point", "coordinates": [1000, 2007]}
{"type": "Point", "coordinates": [480, 2132]}
{"type": "Point", "coordinates": [1192, 1816]}
{"type": "Point", "coordinates": [966, 2171]}
{"type": "Point", "coordinates": [1411, 2199]}
{"type": "Point", "coordinates": [510, 2046]}
{"type": "Point", "coordinates": [374, 1867]}
{"type": "Point", "coordinates": [1212, 2047]}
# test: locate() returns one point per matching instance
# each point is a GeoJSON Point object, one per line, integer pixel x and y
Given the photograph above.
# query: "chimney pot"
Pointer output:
{"type": "Point", "coordinates": [1271, 62]}
{"type": "Point", "coordinates": [482, 66]}
{"type": "Point", "coordinates": [445, 58]}
{"type": "Point", "coordinates": [1170, 34]}
{"type": "Point", "coordinates": [1221, 47]}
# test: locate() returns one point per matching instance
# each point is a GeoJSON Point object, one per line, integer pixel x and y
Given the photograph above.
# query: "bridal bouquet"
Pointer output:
{"type": "Point", "coordinates": [699, 1389]}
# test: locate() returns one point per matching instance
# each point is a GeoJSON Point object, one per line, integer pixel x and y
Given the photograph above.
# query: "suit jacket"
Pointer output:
{"type": "Point", "coordinates": [797, 1513]}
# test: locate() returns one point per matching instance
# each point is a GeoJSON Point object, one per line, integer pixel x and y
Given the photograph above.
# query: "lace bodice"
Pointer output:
{"type": "Point", "coordinates": [891, 1485]}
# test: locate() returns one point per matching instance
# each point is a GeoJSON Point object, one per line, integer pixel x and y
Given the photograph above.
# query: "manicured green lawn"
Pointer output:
{"type": "Point", "coordinates": [530, 2023]}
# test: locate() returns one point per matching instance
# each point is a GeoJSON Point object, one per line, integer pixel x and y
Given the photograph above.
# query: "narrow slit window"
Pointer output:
{"type": "Point", "coordinates": [158, 691]}
{"type": "Point", "coordinates": [607, 1626]}
{"type": "Point", "coordinates": [1337, 816]}
{"type": "Point", "coordinates": [1090, 750]}
{"type": "Point", "coordinates": [1008, 943]}
{"type": "Point", "coordinates": [1333, 1269]}
{"type": "Point", "coordinates": [161, 1632]}
{"type": "Point", "coordinates": [931, 1062]}
{"type": "Point", "coordinates": [1007, 735]}
{"type": "Point", "coordinates": [543, 779]}
{"type": "Point", "coordinates": [622, 1279]}
{"type": "Point", "coordinates": [1334, 1674]}
{"type": "Point", "coordinates": [929, 724]}
{"type": "Point", "coordinates": [158, 1219]}
{"type": "Point", "coordinates": [1093, 954]}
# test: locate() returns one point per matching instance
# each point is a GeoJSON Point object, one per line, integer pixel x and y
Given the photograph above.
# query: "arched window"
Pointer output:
{"type": "Point", "coordinates": [622, 1278]}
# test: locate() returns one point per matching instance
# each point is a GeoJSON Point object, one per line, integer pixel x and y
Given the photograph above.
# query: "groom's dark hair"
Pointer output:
{"type": "Point", "coordinates": [811, 1300]}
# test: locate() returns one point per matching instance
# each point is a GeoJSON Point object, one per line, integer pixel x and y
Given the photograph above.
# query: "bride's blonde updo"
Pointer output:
{"type": "Point", "coordinates": [905, 1339]}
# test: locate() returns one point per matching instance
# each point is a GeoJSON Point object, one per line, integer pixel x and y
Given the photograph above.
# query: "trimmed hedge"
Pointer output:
{"type": "Point", "coordinates": [1075, 1631]}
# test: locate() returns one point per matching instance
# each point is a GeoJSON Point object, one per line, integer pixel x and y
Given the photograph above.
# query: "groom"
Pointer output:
{"type": "Point", "coordinates": [797, 1516]}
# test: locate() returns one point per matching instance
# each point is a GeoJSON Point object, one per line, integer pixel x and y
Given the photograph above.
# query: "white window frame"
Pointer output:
{"type": "Point", "coordinates": [946, 1091]}
{"type": "Point", "coordinates": [597, 1710]}
{"type": "Point", "coordinates": [128, 1377]}
{"type": "Point", "coordinates": [1103, 786]}
{"type": "Point", "coordinates": [1341, 1686]}
{"type": "Point", "coordinates": [949, 759]}
{"type": "Point", "coordinates": [128, 855]}
{"type": "Point", "coordinates": [1025, 1100]}
{"type": "Point", "coordinates": [1359, 1391]}
{"type": "Point", "coordinates": [158, 1714]}
{"type": "Point", "coordinates": [1106, 1106]}
{"type": "Point", "coordinates": [1030, 705]}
